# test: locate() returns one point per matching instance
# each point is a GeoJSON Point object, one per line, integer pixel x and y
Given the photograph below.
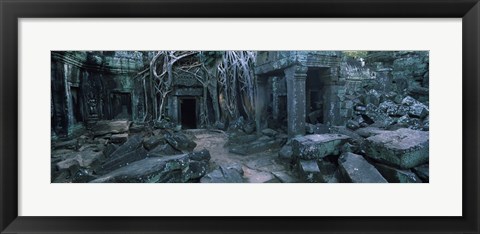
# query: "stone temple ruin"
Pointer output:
{"type": "Point", "coordinates": [239, 116]}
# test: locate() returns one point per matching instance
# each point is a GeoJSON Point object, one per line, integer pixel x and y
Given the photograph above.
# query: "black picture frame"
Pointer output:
{"type": "Point", "coordinates": [11, 11]}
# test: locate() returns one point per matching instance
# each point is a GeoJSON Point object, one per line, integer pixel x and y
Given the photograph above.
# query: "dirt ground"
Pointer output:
{"type": "Point", "coordinates": [263, 167]}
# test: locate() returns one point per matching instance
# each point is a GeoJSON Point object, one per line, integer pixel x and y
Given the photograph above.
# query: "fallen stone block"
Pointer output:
{"type": "Point", "coordinates": [109, 149]}
{"type": "Point", "coordinates": [409, 101]}
{"type": "Point", "coordinates": [94, 147]}
{"type": "Point", "coordinates": [265, 138]}
{"type": "Point", "coordinates": [388, 107]}
{"type": "Point", "coordinates": [404, 148]}
{"type": "Point", "coordinates": [318, 145]}
{"type": "Point", "coordinates": [418, 110]}
{"type": "Point", "coordinates": [373, 97]}
{"type": "Point", "coordinates": [394, 175]}
{"type": "Point", "coordinates": [67, 164]}
{"type": "Point", "coordinates": [119, 138]}
{"type": "Point", "coordinates": [153, 141]}
{"type": "Point", "coordinates": [236, 166]}
{"type": "Point", "coordinates": [195, 170]}
{"type": "Point", "coordinates": [202, 155]}
{"type": "Point", "coordinates": [353, 125]}
{"type": "Point", "coordinates": [136, 128]}
{"type": "Point", "coordinates": [309, 171]}
{"type": "Point", "coordinates": [284, 177]}
{"type": "Point", "coordinates": [342, 130]}
{"type": "Point", "coordinates": [180, 141]}
{"type": "Point", "coordinates": [163, 150]}
{"type": "Point", "coordinates": [169, 169]}
{"type": "Point", "coordinates": [114, 163]}
{"type": "Point", "coordinates": [223, 175]}
{"type": "Point", "coordinates": [391, 95]}
{"type": "Point", "coordinates": [355, 169]}
{"type": "Point", "coordinates": [422, 171]}
{"type": "Point", "coordinates": [62, 177]}
{"type": "Point", "coordinates": [378, 116]}
{"type": "Point", "coordinates": [336, 177]}
{"type": "Point", "coordinates": [269, 132]}
{"type": "Point", "coordinates": [82, 176]}
{"type": "Point", "coordinates": [89, 158]}
{"type": "Point", "coordinates": [83, 159]}
{"type": "Point", "coordinates": [258, 176]}
{"type": "Point", "coordinates": [407, 122]}
{"type": "Point", "coordinates": [327, 170]}
{"type": "Point", "coordinates": [113, 127]}
{"type": "Point", "coordinates": [70, 144]}
{"type": "Point", "coordinates": [153, 170]}
{"type": "Point", "coordinates": [402, 110]}
{"type": "Point", "coordinates": [133, 143]}
{"type": "Point", "coordinates": [62, 154]}
{"type": "Point", "coordinates": [370, 131]}
{"type": "Point", "coordinates": [77, 161]}
{"type": "Point", "coordinates": [286, 152]}
{"type": "Point", "coordinates": [347, 147]}
{"type": "Point", "coordinates": [363, 120]}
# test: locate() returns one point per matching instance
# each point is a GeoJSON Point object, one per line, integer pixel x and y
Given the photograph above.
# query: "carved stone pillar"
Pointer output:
{"type": "Point", "coordinates": [296, 76]}
{"type": "Point", "coordinates": [275, 101]}
{"type": "Point", "coordinates": [173, 109]}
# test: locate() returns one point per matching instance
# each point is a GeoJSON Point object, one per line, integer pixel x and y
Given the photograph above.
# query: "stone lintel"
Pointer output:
{"type": "Point", "coordinates": [188, 92]}
{"type": "Point", "coordinates": [274, 66]}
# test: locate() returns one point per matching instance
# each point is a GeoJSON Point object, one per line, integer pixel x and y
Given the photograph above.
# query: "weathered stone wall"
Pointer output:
{"type": "Point", "coordinates": [87, 85]}
{"type": "Point", "coordinates": [273, 70]}
{"type": "Point", "coordinates": [348, 85]}
{"type": "Point", "coordinates": [84, 85]}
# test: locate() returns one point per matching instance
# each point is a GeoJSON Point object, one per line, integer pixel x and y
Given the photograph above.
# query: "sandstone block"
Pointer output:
{"type": "Point", "coordinates": [404, 148]}
{"type": "Point", "coordinates": [355, 169]}
{"type": "Point", "coordinates": [318, 145]}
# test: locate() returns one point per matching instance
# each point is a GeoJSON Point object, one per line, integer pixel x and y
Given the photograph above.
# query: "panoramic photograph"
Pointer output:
{"type": "Point", "coordinates": [239, 116]}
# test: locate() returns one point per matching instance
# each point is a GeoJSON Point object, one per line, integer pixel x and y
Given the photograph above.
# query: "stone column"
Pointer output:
{"type": "Point", "coordinates": [275, 98]}
{"type": "Point", "coordinates": [173, 109]}
{"type": "Point", "coordinates": [296, 76]}
{"type": "Point", "coordinates": [260, 101]}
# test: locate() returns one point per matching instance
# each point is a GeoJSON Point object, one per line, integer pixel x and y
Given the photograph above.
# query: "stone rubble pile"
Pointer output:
{"type": "Point", "coordinates": [111, 152]}
{"type": "Point", "coordinates": [367, 153]}
{"type": "Point", "coordinates": [392, 113]}
{"type": "Point", "coordinates": [381, 156]}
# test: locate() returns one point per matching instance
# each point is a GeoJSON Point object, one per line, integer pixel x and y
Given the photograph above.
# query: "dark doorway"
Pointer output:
{"type": "Point", "coordinates": [121, 106]}
{"type": "Point", "coordinates": [314, 103]}
{"type": "Point", "coordinates": [77, 115]}
{"type": "Point", "coordinates": [188, 110]}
